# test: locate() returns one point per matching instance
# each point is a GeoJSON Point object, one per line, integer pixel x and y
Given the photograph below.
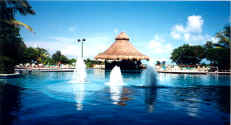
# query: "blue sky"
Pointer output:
{"type": "Point", "coordinates": [154, 28]}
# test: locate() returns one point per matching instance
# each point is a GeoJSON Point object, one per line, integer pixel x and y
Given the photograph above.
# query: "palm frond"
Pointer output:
{"type": "Point", "coordinates": [16, 22]}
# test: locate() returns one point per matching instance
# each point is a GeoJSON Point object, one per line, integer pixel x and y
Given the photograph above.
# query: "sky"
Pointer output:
{"type": "Point", "coordinates": [154, 28]}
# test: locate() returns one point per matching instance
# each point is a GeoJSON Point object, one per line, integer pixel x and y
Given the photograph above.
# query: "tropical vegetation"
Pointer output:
{"type": "Point", "coordinates": [11, 44]}
{"type": "Point", "coordinates": [217, 53]}
{"type": "Point", "coordinates": [42, 56]}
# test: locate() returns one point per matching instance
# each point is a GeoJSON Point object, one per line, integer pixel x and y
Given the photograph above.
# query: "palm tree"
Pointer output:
{"type": "Point", "coordinates": [224, 38]}
{"type": "Point", "coordinates": [42, 55]}
{"type": "Point", "coordinates": [11, 44]}
{"type": "Point", "coordinates": [8, 9]}
{"type": "Point", "coordinates": [219, 53]}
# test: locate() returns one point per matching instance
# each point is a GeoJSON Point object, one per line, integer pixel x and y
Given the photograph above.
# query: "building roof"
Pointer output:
{"type": "Point", "coordinates": [122, 49]}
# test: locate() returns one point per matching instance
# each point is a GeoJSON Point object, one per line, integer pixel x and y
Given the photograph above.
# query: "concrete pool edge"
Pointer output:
{"type": "Point", "coordinates": [8, 76]}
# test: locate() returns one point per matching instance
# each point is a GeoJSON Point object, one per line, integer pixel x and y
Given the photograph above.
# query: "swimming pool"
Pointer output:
{"type": "Point", "coordinates": [50, 98]}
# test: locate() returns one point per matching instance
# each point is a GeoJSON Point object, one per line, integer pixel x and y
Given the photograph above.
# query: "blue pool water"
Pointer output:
{"type": "Point", "coordinates": [49, 98]}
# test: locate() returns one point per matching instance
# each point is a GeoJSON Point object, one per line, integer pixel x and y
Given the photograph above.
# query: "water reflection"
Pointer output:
{"type": "Point", "coordinates": [195, 100]}
{"type": "Point", "coordinates": [189, 99]}
{"type": "Point", "coordinates": [150, 97]}
{"type": "Point", "coordinates": [9, 102]}
{"type": "Point", "coordinates": [79, 90]}
{"type": "Point", "coordinates": [116, 92]}
{"type": "Point", "coordinates": [220, 95]}
{"type": "Point", "coordinates": [192, 80]}
{"type": "Point", "coordinates": [36, 75]}
{"type": "Point", "coordinates": [119, 94]}
{"type": "Point", "coordinates": [208, 103]}
{"type": "Point", "coordinates": [125, 96]}
{"type": "Point", "coordinates": [193, 108]}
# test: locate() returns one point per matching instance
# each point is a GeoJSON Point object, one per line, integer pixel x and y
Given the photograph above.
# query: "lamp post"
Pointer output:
{"type": "Point", "coordinates": [83, 40]}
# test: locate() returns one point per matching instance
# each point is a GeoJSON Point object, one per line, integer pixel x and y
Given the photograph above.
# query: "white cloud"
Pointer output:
{"type": "Point", "coordinates": [95, 45]}
{"type": "Point", "coordinates": [158, 45]}
{"type": "Point", "coordinates": [179, 28]}
{"type": "Point", "coordinates": [70, 48]}
{"type": "Point", "coordinates": [187, 36]}
{"type": "Point", "coordinates": [190, 33]}
{"type": "Point", "coordinates": [159, 49]}
{"type": "Point", "coordinates": [116, 31]}
{"type": "Point", "coordinates": [72, 29]}
{"type": "Point", "coordinates": [194, 24]}
{"type": "Point", "coordinates": [176, 35]}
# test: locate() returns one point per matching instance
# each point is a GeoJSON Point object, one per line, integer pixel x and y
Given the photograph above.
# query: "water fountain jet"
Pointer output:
{"type": "Point", "coordinates": [149, 75]}
{"type": "Point", "coordinates": [116, 76]}
{"type": "Point", "coordinates": [79, 74]}
{"type": "Point", "coordinates": [116, 84]}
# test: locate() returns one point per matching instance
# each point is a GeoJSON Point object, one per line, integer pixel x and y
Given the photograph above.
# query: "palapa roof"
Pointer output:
{"type": "Point", "coordinates": [122, 49]}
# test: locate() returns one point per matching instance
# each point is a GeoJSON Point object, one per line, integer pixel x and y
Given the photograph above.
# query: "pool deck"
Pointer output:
{"type": "Point", "coordinates": [47, 70]}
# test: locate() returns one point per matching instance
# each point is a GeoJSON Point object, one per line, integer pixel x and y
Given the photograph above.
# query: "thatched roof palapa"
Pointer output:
{"type": "Point", "coordinates": [122, 49]}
